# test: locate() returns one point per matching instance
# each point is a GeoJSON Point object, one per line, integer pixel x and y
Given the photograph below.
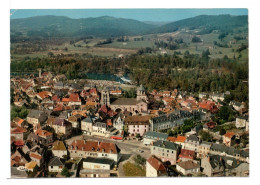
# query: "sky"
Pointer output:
{"type": "Point", "coordinates": [156, 15]}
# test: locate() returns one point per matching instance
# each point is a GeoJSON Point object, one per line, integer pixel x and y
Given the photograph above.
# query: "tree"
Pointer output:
{"type": "Point", "coordinates": [195, 39]}
{"type": "Point", "coordinates": [222, 131]}
{"type": "Point", "coordinates": [140, 160]}
{"type": "Point", "coordinates": [205, 136]}
{"type": "Point", "coordinates": [65, 172]}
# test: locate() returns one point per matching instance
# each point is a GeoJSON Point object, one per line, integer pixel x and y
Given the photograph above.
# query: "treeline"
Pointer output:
{"type": "Point", "coordinates": [191, 73]}
{"type": "Point", "coordinates": [73, 66]}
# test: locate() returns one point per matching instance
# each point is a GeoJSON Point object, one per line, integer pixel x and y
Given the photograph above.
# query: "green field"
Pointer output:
{"type": "Point", "coordinates": [133, 170]}
{"type": "Point", "coordinates": [131, 44]}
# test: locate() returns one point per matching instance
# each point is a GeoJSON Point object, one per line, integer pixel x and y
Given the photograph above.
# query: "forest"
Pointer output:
{"type": "Point", "coordinates": [191, 73]}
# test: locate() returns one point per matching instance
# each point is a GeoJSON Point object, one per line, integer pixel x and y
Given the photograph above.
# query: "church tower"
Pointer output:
{"type": "Point", "coordinates": [105, 99]}
{"type": "Point", "coordinates": [141, 93]}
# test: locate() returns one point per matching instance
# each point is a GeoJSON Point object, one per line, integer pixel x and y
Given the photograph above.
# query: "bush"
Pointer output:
{"type": "Point", "coordinates": [65, 172]}
{"type": "Point", "coordinates": [140, 160]}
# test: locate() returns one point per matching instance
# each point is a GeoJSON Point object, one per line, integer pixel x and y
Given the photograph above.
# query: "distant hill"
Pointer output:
{"type": "Point", "coordinates": [63, 26]}
{"type": "Point", "coordinates": [60, 26]}
{"type": "Point", "coordinates": [206, 23]}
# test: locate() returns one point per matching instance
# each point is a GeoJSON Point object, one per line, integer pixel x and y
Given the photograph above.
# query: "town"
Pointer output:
{"type": "Point", "coordinates": [91, 128]}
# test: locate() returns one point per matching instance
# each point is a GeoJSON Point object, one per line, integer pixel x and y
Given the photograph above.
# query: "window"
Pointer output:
{"type": "Point", "coordinates": [134, 130]}
{"type": "Point", "coordinates": [134, 126]}
{"type": "Point", "coordinates": [137, 130]}
{"type": "Point", "coordinates": [137, 126]}
{"type": "Point", "coordinates": [167, 151]}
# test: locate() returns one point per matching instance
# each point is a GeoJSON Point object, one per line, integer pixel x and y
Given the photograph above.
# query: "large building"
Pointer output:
{"type": "Point", "coordinates": [174, 119]}
{"type": "Point", "coordinates": [133, 105]}
{"type": "Point", "coordinates": [166, 151]}
{"type": "Point", "coordinates": [82, 148]}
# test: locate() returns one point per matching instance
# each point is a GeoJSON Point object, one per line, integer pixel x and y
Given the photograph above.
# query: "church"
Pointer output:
{"type": "Point", "coordinates": [133, 105]}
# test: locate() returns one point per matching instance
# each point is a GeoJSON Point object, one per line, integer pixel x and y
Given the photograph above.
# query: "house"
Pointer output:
{"type": "Point", "coordinates": [59, 149]}
{"type": "Point", "coordinates": [155, 167]}
{"type": "Point", "coordinates": [241, 122]}
{"type": "Point", "coordinates": [94, 173]}
{"type": "Point", "coordinates": [209, 125]}
{"type": "Point", "coordinates": [75, 120]}
{"type": "Point", "coordinates": [18, 121]}
{"type": "Point", "coordinates": [188, 167]}
{"type": "Point", "coordinates": [118, 121]}
{"type": "Point", "coordinates": [74, 99]}
{"type": "Point", "coordinates": [212, 165]}
{"type": "Point", "coordinates": [192, 143]}
{"type": "Point", "coordinates": [36, 116]}
{"type": "Point", "coordinates": [204, 148]}
{"type": "Point", "coordinates": [18, 159]}
{"type": "Point", "coordinates": [87, 125]}
{"type": "Point", "coordinates": [18, 133]}
{"type": "Point", "coordinates": [97, 163]}
{"type": "Point", "coordinates": [229, 138]}
{"type": "Point", "coordinates": [138, 124]}
{"type": "Point", "coordinates": [43, 94]}
{"type": "Point", "coordinates": [217, 96]}
{"type": "Point", "coordinates": [40, 136]}
{"type": "Point", "coordinates": [55, 165]}
{"type": "Point", "coordinates": [31, 166]}
{"type": "Point", "coordinates": [186, 155]}
{"type": "Point", "coordinates": [180, 140]}
{"type": "Point", "coordinates": [166, 151]}
{"type": "Point", "coordinates": [223, 150]}
{"type": "Point", "coordinates": [237, 105]}
{"type": "Point", "coordinates": [17, 172]}
{"type": "Point", "coordinates": [150, 136]}
{"type": "Point", "coordinates": [173, 119]}
{"type": "Point", "coordinates": [83, 148]}
{"type": "Point", "coordinates": [62, 126]}
{"type": "Point", "coordinates": [36, 157]}
{"type": "Point", "coordinates": [44, 137]}
{"type": "Point", "coordinates": [100, 129]}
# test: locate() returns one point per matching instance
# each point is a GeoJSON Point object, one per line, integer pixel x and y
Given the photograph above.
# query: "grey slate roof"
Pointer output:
{"type": "Point", "coordinates": [155, 135]}
{"type": "Point", "coordinates": [100, 124]}
{"type": "Point", "coordinates": [17, 173]}
{"type": "Point", "coordinates": [193, 138]}
{"type": "Point", "coordinates": [99, 160]}
{"type": "Point", "coordinates": [166, 144]}
{"type": "Point", "coordinates": [56, 161]}
{"type": "Point", "coordinates": [88, 120]}
{"type": "Point", "coordinates": [125, 101]}
{"type": "Point", "coordinates": [36, 113]}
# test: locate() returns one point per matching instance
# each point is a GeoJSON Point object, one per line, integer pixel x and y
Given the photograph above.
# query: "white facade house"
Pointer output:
{"type": "Point", "coordinates": [188, 167]}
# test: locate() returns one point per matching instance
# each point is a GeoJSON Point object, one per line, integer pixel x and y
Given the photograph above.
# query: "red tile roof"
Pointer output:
{"type": "Point", "coordinates": [94, 146]}
{"type": "Point", "coordinates": [43, 133]}
{"type": "Point", "coordinates": [65, 100]}
{"type": "Point", "coordinates": [181, 139]}
{"type": "Point", "coordinates": [156, 163]}
{"type": "Point", "coordinates": [187, 154]}
{"type": "Point", "coordinates": [172, 139]}
{"type": "Point", "coordinates": [74, 97]}
{"type": "Point", "coordinates": [44, 94]}
{"type": "Point", "coordinates": [36, 156]}
{"type": "Point", "coordinates": [229, 134]}
{"type": "Point", "coordinates": [19, 143]}
{"type": "Point", "coordinates": [211, 124]}
{"type": "Point", "coordinates": [109, 123]}
{"type": "Point", "coordinates": [18, 130]}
